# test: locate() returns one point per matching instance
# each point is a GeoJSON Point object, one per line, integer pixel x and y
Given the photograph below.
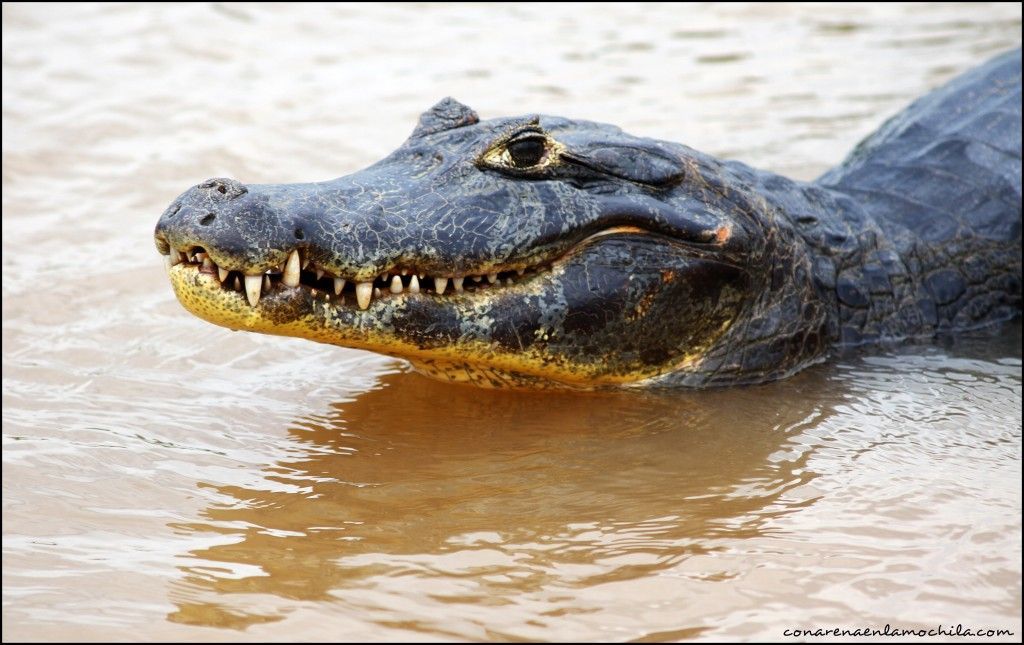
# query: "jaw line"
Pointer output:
{"type": "Point", "coordinates": [476, 296]}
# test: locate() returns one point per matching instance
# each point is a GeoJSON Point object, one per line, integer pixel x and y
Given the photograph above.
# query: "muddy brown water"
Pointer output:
{"type": "Point", "coordinates": [167, 479]}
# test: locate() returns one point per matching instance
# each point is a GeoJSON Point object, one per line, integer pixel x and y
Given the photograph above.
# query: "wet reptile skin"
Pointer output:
{"type": "Point", "coordinates": [709, 272]}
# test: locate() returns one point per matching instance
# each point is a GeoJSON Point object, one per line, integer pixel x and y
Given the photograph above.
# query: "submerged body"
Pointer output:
{"type": "Point", "coordinates": [544, 252]}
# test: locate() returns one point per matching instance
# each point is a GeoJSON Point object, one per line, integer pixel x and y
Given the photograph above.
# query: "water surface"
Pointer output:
{"type": "Point", "coordinates": [167, 479]}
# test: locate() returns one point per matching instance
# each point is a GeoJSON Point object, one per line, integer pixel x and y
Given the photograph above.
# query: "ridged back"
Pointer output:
{"type": "Point", "coordinates": [949, 166]}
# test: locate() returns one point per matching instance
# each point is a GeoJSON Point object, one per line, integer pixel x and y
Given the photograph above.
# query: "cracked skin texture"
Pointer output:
{"type": "Point", "coordinates": [656, 265]}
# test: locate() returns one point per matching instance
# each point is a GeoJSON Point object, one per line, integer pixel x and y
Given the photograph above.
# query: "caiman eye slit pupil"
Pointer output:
{"type": "Point", "coordinates": [526, 152]}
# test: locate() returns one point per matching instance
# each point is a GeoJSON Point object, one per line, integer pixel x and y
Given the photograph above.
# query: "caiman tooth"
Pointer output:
{"type": "Point", "coordinates": [339, 284]}
{"type": "Point", "coordinates": [396, 285]}
{"type": "Point", "coordinates": [238, 284]}
{"type": "Point", "coordinates": [168, 262]}
{"type": "Point", "coordinates": [377, 293]}
{"type": "Point", "coordinates": [520, 271]}
{"type": "Point", "coordinates": [492, 277]}
{"type": "Point", "coordinates": [174, 257]}
{"type": "Point", "coordinates": [405, 271]}
{"type": "Point", "coordinates": [477, 278]}
{"type": "Point", "coordinates": [201, 256]}
{"type": "Point", "coordinates": [292, 269]}
{"type": "Point", "coordinates": [253, 284]}
{"type": "Point", "coordinates": [440, 284]}
{"type": "Point", "coordinates": [207, 264]}
{"type": "Point", "coordinates": [305, 263]}
{"type": "Point", "coordinates": [266, 282]}
{"type": "Point", "coordinates": [222, 274]}
{"type": "Point", "coordinates": [364, 293]}
{"type": "Point", "coordinates": [414, 285]}
{"type": "Point", "coordinates": [319, 273]}
{"type": "Point", "coordinates": [457, 283]}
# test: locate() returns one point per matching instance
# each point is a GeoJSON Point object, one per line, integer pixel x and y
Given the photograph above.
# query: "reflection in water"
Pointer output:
{"type": "Point", "coordinates": [493, 498]}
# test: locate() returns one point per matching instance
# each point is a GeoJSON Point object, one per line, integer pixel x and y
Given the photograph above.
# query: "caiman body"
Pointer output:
{"type": "Point", "coordinates": [545, 252]}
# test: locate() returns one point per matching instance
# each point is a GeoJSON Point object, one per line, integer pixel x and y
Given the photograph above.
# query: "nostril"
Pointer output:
{"type": "Point", "coordinates": [299, 234]}
{"type": "Point", "coordinates": [229, 188]}
{"type": "Point", "coordinates": [208, 219]}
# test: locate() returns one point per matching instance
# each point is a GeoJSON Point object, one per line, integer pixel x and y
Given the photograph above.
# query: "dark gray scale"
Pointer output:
{"type": "Point", "coordinates": [942, 182]}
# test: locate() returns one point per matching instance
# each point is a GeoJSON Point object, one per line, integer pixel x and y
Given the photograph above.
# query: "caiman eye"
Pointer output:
{"type": "Point", "coordinates": [527, 152]}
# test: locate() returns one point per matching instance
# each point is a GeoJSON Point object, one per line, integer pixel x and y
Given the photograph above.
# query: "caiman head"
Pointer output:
{"type": "Point", "coordinates": [529, 252]}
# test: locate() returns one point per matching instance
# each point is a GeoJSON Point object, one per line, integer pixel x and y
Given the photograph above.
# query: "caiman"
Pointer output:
{"type": "Point", "coordinates": [540, 251]}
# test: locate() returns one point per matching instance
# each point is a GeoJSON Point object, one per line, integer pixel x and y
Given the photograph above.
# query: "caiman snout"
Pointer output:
{"type": "Point", "coordinates": [224, 218]}
{"type": "Point", "coordinates": [200, 206]}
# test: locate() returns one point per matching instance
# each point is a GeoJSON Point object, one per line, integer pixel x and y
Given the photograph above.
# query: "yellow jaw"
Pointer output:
{"type": "Point", "coordinates": [299, 313]}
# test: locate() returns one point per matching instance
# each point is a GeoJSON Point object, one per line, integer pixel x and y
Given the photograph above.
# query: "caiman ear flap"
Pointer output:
{"type": "Point", "coordinates": [445, 115]}
{"type": "Point", "coordinates": [644, 161]}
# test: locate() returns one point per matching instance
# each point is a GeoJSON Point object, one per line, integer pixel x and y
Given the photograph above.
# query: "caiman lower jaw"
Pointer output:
{"type": "Point", "coordinates": [297, 312]}
{"type": "Point", "coordinates": [313, 310]}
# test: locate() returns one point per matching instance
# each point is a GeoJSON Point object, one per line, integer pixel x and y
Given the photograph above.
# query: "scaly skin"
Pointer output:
{"type": "Point", "coordinates": [649, 264]}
